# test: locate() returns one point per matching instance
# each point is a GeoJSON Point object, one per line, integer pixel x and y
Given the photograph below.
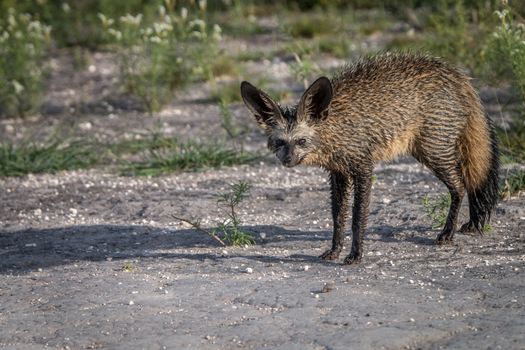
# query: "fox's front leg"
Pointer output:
{"type": "Point", "coordinates": [340, 186]}
{"type": "Point", "coordinates": [362, 189]}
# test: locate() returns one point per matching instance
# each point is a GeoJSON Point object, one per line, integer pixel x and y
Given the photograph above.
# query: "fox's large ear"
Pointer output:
{"type": "Point", "coordinates": [265, 110]}
{"type": "Point", "coordinates": [315, 100]}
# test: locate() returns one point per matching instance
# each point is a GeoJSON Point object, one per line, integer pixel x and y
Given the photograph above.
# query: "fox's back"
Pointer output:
{"type": "Point", "coordinates": [395, 82]}
{"type": "Point", "coordinates": [386, 104]}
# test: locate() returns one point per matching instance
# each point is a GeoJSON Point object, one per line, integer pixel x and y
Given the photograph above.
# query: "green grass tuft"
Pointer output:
{"type": "Point", "coordinates": [437, 209]}
{"type": "Point", "coordinates": [187, 157]}
{"type": "Point", "coordinates": [49, 157]}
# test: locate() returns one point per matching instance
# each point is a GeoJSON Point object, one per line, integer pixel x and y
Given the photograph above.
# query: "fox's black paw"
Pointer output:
{"type": "Point", "coordinates": [469, 227]}
{"type": "Point", "coordinates": [330, 254]}
{"type": "Point", "coordinates": [352, 259]}
{"type": "Point", "coordinates": [445, 237]}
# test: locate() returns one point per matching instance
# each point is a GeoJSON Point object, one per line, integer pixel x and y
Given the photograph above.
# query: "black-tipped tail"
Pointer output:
{"type": "Point", "coordinates": [483, 199]}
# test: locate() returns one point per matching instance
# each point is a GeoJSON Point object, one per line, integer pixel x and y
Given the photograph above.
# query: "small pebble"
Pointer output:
{"type": "Point", "coordinates": [249, 270]}
{"type": "Point", "coordinates": [131, 302]}
{"type": "Point", "coordinates": [328, 287]}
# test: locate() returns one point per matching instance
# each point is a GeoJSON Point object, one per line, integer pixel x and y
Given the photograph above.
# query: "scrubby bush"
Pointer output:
{"type": "Point", "coordinates": [507, 49]}
{"type": "Point", "coordinates": [23, 43]}
{"type": "Point", "coordinates": [506, 61]}
{"type": "Point", "coordinates": [157, 58]}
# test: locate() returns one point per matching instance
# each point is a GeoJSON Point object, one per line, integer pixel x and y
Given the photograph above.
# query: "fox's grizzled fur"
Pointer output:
{"type": "Point", "coordinates": [377, 109]}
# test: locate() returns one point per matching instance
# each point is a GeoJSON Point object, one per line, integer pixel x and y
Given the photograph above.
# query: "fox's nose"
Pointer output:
{"type": "Point", "coordinates": [288, 161]}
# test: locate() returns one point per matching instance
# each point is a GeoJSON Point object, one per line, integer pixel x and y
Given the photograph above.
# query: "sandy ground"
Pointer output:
{"type": "Point", "coordinates": [90, 259]}
{"type": "Point", "coordinates": [94, 260]}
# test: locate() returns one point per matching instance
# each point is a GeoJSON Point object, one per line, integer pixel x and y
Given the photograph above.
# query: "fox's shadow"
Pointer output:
{"type": "Point", "coordinates": [26, 250]}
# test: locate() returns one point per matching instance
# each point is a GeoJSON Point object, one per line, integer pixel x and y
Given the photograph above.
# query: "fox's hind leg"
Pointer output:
{"type": "Point", "coordinates": [446, 168]}
{"type": "Point", "coordinates": [451, 177]}
{"type": "Point", "coordinates": [447, 234]}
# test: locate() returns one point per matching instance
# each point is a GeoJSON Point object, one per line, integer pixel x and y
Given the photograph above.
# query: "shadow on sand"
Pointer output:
{"type": "Point", "coordinates": [26, 250]}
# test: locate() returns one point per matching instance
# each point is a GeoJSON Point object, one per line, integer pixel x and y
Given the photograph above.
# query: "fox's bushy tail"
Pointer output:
{"type": "Point", "coordinates": [480, 167]}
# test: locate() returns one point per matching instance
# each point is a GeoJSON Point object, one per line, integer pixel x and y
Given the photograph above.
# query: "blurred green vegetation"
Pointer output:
{"type": "Point", "coordinates": [52, 155]}
{"type": "Point", "coordinates": [162, 45]}
{"type": "Point", "coordinates": [23, 44]}
{"type": "Point", "coordinates": [152, 155]}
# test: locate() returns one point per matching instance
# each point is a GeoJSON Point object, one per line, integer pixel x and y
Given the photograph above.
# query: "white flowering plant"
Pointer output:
{"type": "Point", "coordinates": [507, 48]}
{"type": "Point", "coordinates": [156, 58]}
{"type": "Point", "coordinates": [23, 43]}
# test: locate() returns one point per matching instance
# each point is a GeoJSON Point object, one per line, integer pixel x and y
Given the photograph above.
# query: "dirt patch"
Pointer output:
{"type": "Point", "coordinates": [94, 260]}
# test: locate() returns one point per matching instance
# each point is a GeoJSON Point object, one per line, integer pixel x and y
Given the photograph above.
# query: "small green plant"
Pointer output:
{"type": "Point", "coordinates": [50, 156]}
{"type": "Point", "coordinates": [23, 43]}
{"type": "Point", "coordinates": [156, 59]}
{"type": "Point", "coordinates": [230, 227]}
{"type": "Point", "coordinates": [127, 267]}
{"type": "Point", "coordinates": [303, 69]}
{"type": "Point", "coordinates": [514, 184]}
{"type": "Point", "coordinates": [228, 231]}
{"type": "Point", "coordinates": [437, 209]}
{"type": "Point", "coordinates": [190, 156]}
{"type": "Point", "coordinates": [227, 121]}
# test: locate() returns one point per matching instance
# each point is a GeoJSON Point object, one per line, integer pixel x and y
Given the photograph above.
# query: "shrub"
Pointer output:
{"type": "Point", "coordinates": [507, 49]}
{"type": "Point", "coordinates": [506, 60]}
{"type": "Point", "coordinates": [23, 43]}
{"type": "Point", "coordinates": [156, 59]}
{"type": "Point", "coordinates": [459, 31]}
{"type": "Point", "coordinates": [50, 156]}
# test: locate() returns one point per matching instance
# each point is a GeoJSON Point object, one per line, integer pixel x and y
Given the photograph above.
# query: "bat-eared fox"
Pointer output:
{"type": "Point", "coordinates": [377, 109]}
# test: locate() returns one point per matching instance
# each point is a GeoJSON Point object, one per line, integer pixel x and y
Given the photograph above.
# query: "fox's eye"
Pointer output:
{"type": "Point", "coordinates": [301, 142]}
{"type": "Point", "coordinates": [279, 143]}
